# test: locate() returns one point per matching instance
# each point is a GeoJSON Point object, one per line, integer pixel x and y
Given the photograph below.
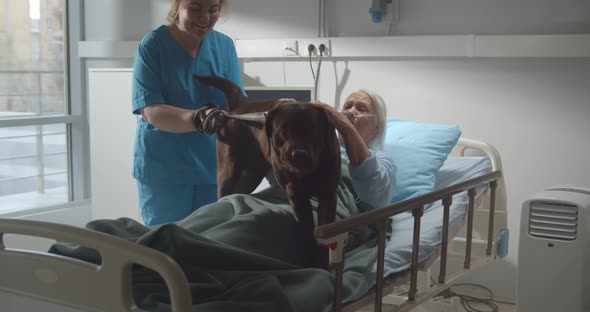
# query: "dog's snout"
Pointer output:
{"type": "Point", "coordinates": [301, 157]}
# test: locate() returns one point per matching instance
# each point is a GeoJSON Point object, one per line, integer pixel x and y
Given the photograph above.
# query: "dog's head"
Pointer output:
{"type": "Point", "coordinates": [298, 134]}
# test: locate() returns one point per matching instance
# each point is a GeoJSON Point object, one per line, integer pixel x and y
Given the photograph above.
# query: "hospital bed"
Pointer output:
{"type": "Point", "coordinates": [465, 215]}
{"type": "Point", "coordinates": [475, 195]}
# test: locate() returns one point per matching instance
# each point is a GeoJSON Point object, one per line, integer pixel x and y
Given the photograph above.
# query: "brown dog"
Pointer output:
{"type": "Point", "coordinates": [300, 144]}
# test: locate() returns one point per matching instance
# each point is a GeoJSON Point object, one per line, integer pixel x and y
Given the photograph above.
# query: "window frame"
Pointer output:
{"type": "Point", "coordinates": [74, 118]}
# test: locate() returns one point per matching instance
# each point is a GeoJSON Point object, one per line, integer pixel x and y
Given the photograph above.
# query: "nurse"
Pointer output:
{"type": "Point", "coordinates": [173, 164]}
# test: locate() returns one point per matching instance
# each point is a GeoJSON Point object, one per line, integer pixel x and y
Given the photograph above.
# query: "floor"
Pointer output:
{"type": "Point", "coordinates": [502, 307]}
{"type": "Point", "coordinates": [432, 307]}
{"type": "Point", "coordinates": [441, 304]}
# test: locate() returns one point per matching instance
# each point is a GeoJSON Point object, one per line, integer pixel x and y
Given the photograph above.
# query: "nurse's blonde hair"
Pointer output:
{"type": "Point", "coordinates": [172, 16]}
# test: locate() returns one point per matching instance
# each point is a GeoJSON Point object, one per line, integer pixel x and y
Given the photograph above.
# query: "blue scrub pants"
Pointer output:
{"type": "Point", "coordinates": [163, 203]}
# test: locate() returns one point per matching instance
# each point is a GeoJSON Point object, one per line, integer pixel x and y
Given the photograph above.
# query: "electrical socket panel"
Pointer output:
{"type": "Point", "coordinates": [290, 48]}
{"type": "Point", "coordinates": [304, 43]}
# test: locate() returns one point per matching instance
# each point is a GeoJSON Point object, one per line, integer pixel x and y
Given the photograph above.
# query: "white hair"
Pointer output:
{"type": "Point", "coordinates": [381, 112]}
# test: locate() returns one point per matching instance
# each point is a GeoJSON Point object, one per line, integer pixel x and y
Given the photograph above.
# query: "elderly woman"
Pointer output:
{"type": "Point", "coordinates": [361, 128]}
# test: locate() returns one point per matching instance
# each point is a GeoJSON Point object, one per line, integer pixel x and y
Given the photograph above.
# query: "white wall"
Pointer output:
{"type": "Point", "coordinates": [535, 111]}
{"type": "Point", "coordinates": [253, 19]}
{"type": "Point", "coordinates": [114, 192]}
{"type": "Point", "coordinates": [433, 17]}
{"type": "Point", "coordinates": [281, 18]}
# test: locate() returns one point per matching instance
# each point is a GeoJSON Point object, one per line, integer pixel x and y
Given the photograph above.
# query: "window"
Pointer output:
{"type": "Point", "coordinates": [35, 120]}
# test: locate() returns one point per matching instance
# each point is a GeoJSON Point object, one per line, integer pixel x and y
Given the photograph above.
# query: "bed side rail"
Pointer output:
{"type": "Point", "coordinates": [463, 147]}
{"type": "Point", "coordinates": [74, 282]}
{"type": "Point", "coordinates": [329, 233]}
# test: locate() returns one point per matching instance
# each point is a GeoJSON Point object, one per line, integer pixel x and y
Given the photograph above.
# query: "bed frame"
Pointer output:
{"type": "Point", "coordinates": [79, 284]}
{"type": "Point", "coordinates": [56, 279]}
{"type": "Point", "coordinates": [485, 219]}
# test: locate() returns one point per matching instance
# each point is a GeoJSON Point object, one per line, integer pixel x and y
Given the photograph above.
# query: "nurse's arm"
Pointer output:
{"type": "Point", "coordinates": [169, 118]}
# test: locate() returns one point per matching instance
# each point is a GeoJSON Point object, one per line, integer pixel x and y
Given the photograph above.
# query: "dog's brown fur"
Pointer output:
{"type": "Point", "coordinates": [297, 141]}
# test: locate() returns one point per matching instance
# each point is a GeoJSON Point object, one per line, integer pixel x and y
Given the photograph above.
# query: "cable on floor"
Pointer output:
{"type": "Point", "coordinates": [469, 302]}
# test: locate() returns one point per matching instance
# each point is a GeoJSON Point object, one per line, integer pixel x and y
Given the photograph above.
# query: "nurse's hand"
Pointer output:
{"type": "Point", "coordinates": [209, 119]}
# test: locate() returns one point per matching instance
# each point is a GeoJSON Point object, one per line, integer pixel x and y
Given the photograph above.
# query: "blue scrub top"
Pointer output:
{"type": "Point", "coordinates": [162, 74]}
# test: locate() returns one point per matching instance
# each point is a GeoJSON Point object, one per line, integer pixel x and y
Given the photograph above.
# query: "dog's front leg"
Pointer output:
{"type": "Point", "coordinates": [327, 208]}
{"type": "Point", "coordinates": [326, 214]}
{"type": "Point", "coordinates": [303, 214]}
{"type": "Point", "coordinates": [227, 170]}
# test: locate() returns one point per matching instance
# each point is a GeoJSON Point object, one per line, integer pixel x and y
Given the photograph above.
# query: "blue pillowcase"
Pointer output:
{"type": "Point", "coordinates": [419, 150]}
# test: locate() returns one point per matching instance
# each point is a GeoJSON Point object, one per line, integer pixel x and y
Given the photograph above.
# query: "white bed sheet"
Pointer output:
{"type": "Point", "coordinates": [398, 250]}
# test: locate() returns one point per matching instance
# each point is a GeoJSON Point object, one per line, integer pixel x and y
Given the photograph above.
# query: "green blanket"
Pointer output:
{"type": "Point", "coordinates": [241, 254]}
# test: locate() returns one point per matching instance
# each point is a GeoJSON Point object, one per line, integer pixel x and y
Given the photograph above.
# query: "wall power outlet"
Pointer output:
{"type": "Point", "coordinates": [304, 43]}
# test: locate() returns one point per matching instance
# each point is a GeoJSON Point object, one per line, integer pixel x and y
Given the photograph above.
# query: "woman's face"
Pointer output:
{"type": "Point", "coordinates": [197, 17]}
{"type": "Point", "coordinates": [359, 105]}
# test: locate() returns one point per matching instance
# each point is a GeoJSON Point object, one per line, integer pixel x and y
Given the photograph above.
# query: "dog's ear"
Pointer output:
{"type": "Point", "coordinates": [268, 128]}
{"type": "Point", "coordinates": [326, 122]}
{"type": "Point", "coordinates": [332, 145]}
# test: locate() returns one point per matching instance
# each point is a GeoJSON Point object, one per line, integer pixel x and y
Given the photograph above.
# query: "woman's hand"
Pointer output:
{"type": "Point", "coordinates": [286, 100]}
{"type": "Point", "coordinates": [356, 148]}
{"type": "Point", "coordinates": [340, 122]}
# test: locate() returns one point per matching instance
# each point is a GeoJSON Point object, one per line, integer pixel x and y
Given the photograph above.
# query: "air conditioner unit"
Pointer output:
{"type": "Point", "coordinates": [554, 251]}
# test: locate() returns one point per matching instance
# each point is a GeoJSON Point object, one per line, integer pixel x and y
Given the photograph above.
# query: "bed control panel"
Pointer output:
{"type": "Point", "coordinates": [502, 243]}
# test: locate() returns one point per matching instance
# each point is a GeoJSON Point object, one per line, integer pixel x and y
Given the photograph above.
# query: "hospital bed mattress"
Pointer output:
{"type": "Point", "coordinates": [398, 251]}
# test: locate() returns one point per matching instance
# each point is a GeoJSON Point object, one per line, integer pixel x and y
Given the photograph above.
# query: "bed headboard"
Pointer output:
{"type": "Point", "coordinates": [466, 147]}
